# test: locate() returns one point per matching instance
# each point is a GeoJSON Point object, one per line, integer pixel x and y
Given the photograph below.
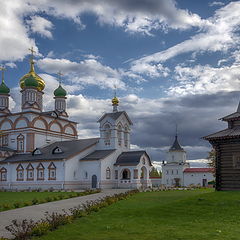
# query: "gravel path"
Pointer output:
{"type": "Point", "coordinates": [36, 212]}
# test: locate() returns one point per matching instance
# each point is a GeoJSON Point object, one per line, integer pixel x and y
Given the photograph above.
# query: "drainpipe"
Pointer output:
{"type": "Point", "coordinates": [64, 169]}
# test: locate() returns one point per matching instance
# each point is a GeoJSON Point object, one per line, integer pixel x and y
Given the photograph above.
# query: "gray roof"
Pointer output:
{"type": "Point", "coordinates": [232, 116]}
{"type": "Point", "coordinates": [69, 148]}
{"type": "Point", "coordinates": [115, 116]}
{"type": "Point", "coordinates": [131, 158]}
{"type": "Point", "coordinates": [7, 149]}
{"type": "Point", "coordinates": [226, 133]}
{"type": "Point", "coordinates": [176, 146]}
{"type": "Point", "coordinates": [97, 155]}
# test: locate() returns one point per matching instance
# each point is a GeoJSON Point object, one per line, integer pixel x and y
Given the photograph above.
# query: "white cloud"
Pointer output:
{"type": "Point", "coordinates": [41, 26]}
{"type": "Point", "coordinates": [205, 79]}
{"type": "Point", "coordinates": [86, 72]}
{"type": "Point", "coordinates": [216, 3]}
{"type": "Point", "coordinates": [219, 33]}
{"type": "Point", "coordinates": [133, 16]}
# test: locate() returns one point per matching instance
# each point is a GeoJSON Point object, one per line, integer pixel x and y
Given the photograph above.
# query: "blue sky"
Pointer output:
{"type": "Point", "coordinates": [172, 62]}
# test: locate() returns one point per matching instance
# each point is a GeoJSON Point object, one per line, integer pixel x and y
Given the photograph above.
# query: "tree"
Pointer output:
{"type": "Point", "coordinates": [212, 160]}
{"type": "Point", "coordinates": [155, 173]}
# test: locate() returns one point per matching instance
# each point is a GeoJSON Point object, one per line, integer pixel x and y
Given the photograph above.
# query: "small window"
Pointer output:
{"type": "Point", "coordinates": [108, 173]}
{"type": "Point", "coordinates": [52, 171]}
{"type": "Point", "coordinates": [116, 174]}
{"type": "Point", "coordinates": [20, 172]}
{"type": "Point", "coordinates": [167, 172]}
{"type": "Point", "coordinates": [40, 172]}
{"type": "Point", "coordinates": [36, 152]}
{"type": "Point", "coordinates": [57, 150]}
{"type": "Point", "coordinates": [30, 172]}
{"type": "Point", "coordinates": [20, 143]}
{"type": "Point", "coordinates": [3, 174]}
{"type": "Point", "coordinates": [177, 172]}
{"type": "Point", "coordinates": [86, 175]}
{"type": "Point", "coordinates": [143, 161]}
{"type": "Point", "coordinates": [172, 172]}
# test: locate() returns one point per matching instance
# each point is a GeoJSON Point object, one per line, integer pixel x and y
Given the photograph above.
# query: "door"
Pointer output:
{"type": "Point", "coordinates": [94, 181]}
{"type": "Point", "coordinates": [204, 182]}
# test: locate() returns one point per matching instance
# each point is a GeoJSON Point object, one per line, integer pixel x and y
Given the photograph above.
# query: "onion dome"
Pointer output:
{"type": "Point", "coordinates": [4, 88]}
{"type": "Point", "coordinates": [176, 146]}
{"type": "Point", "coordinates": [115, 101]}
{"type": "Point", "coordinates": [31, 79]}
{"type": "Point", "coordinates": [60, 91]}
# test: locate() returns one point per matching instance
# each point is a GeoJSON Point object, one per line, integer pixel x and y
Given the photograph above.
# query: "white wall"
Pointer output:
{"type": "Point", "coordinates": [196, 178]}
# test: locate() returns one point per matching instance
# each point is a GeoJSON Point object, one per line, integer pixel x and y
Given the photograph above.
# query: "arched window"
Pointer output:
{"type": "Point", "coordinates": [20, 172]}
{"type": "Point", "coordinates": [107, 134]}
{"type": "Point", "coordinates": [126, 137]}
{"type": "Point", "coordinates": [52, 171]}
{"type": "Point", "coordinates": [126, 174]}
{"type": "Point", "coordinates": [30, 172]}
{"type": "Point", "coordinates": [108, 173]}
{"type": "Point", "coordinates": [119, 135]}
{"type": "Point", "coordinates": [40, 172]}
{"type": "Point", "coordinates": [20, 143]}
{"type": "Point", "coordinates": [3, 174]}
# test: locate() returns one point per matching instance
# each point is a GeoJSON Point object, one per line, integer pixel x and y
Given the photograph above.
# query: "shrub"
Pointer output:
{"type": "Point", "coordinates": [48, 199]}
{"type": "Point", "coordinates": [21, 230]}
{"type": "Point", "coordinates": [35, 201]}
{"type": "Point", "coordinates": [16, 204]}
{"type": "Point", "coordinates": [6, 206]}
{"type": "Point", "coordinates": [41, 228]}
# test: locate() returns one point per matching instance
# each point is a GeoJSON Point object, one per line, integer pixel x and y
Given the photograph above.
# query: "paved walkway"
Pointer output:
{"type": "Point", "coordinates": [36, 212]}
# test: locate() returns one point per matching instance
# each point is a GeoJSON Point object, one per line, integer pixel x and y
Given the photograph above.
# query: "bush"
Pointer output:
{"type": "Point", "coordinates": [21, 230]}
{"type": "Point", "coordinates": [41, 228]}
{"type": "Point", "coordinates": [16, 204]}
{"type": "Point", "coordinates": [25, 229]}
{"type": "Point", "coordinates": [35, 201]}
{"type": "Point", "coordinates": [48, 199]}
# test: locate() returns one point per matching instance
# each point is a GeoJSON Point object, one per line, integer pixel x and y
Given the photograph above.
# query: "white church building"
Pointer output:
{"type": "Point", "coordinates": [176, 171]}
{"type": "Point", "coordinates": [41, 149]}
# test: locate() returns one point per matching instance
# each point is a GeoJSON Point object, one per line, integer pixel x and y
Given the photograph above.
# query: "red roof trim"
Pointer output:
{"type": "Point", "coordinates": [192, 170]}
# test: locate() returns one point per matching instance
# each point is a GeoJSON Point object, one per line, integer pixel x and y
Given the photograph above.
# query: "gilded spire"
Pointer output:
{"type": "Point", "coordinates": [115, 100]}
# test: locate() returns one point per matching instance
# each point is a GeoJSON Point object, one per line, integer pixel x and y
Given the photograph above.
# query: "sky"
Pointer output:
{"type": "Point", "coordinates": [172, 62]}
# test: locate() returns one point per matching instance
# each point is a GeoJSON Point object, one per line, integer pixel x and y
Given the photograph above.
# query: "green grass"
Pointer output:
{"type": "Point", "coordinates": [170, 215]}
{"type": "Point", "coordinates": [10, 200]}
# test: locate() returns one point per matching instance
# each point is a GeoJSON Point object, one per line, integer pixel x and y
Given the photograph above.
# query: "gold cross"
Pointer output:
{"type": "Point", "coordinates": [2, 68]}
{"type": "Point", "coordinates": [32, 51]}
{"type": "Point", "coordinates": [60, 74]}
{"type": "Point", "coordinates": [115, 90]}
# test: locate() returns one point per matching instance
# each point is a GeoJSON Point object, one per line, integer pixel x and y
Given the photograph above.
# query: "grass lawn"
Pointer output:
{"type": "Point", "coordinates": [170, 215]}
{"type": "Point", "coordinates": [9, 200]}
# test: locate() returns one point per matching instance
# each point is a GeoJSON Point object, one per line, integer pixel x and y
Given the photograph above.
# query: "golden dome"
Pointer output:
{"type": "Point", "coordinates": [30, 76]}
{"type": "Point", "coordinates": [115, 101]}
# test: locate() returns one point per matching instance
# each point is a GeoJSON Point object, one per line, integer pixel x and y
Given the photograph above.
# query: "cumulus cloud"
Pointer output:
{"type": "Point", "coordinates": [205, 79]}
{"type": "Point", "coordinates": [41, 26]}
{"type": "Point", "coordinates": [219, 33]}
{"type": "Point", "coordinates": [86, 72]}
{"type": "Point", "coordinates": [133, 16]}
{"type": "Point", "coordinates": [216, 3]}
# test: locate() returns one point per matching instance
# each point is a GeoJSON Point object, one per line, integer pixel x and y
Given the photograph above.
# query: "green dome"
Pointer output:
{"type": "Point", "coordinates": [31, 81]}
{"type": "Point", "coordinates": [60, 92]}
{"type": "Point", "coordinates": [4, 89]}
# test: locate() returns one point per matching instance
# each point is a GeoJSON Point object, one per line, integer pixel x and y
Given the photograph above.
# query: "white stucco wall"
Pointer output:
{"type": "Point", "coordinates": [196, 178]}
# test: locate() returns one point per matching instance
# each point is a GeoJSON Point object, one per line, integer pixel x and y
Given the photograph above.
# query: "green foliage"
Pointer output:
{"type": "Point", "coordinates": [155, 173]}
{"type": "Point", "coordinates": [41, 228]}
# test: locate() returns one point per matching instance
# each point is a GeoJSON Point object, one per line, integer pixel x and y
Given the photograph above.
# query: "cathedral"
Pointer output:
{"type": "Point", "coordinates": [41, 150]}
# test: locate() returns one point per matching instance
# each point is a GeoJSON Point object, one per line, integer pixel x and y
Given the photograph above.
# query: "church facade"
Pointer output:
{"type": "Point", "coordinates": [176, 171]}
{"type": "Point", "coordinates": [41, 149]}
